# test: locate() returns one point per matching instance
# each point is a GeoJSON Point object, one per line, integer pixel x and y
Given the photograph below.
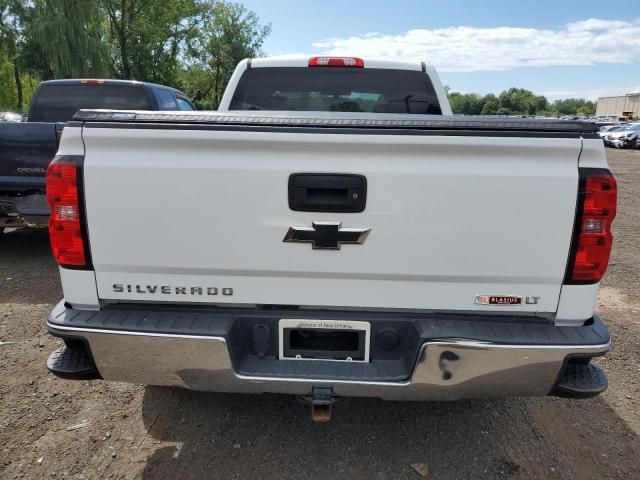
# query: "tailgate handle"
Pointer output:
{"type": "Point", "coordinates": [327, 192]}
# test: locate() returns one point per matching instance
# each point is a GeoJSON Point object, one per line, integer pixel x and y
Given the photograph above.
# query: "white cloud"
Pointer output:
{"type": "Point", "coordinates": [469, 49]}
{"type": "Point", "coordinates": [589, 94]}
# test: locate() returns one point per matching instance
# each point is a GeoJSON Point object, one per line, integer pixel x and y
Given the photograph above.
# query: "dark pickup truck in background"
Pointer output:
{"type": "Point", "coordinates": [26, 148]}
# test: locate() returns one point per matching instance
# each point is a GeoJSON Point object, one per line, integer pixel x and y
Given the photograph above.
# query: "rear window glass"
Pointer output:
{"type": "Point", "coordinates": [167, 100]}
{"type": "Point", "coordinates": [335, 90]}
{"type": "Point", "coordinates": [58, 103]}
{"type": "Point", "coordinates": [183, 104]}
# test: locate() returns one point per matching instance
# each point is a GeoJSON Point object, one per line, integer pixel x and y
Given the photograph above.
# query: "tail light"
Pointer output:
{"type": "Point", "coordinates": [66, 232]}
{"type": "Point", "coordinates": [592, 238]}
{"type": "Point", "coordinates": [336, 62]}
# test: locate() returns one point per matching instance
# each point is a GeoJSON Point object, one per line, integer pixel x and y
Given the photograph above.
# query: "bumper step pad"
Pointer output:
{"type": "Point", "coordinates": [579, 380]}
{"type": "Point", "coordinates": [73, 363]}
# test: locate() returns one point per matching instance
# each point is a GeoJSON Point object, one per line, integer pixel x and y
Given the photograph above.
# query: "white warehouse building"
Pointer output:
{"type": "Point", "coordinates": [621, 106]}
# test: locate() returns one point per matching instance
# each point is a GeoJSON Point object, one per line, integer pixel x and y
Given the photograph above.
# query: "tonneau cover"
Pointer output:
{"type": "Point", "coordinates": [438, 124]}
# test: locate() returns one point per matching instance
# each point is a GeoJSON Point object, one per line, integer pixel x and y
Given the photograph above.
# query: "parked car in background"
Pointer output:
{"type": "Point", "coordinates": [609, 128]}
{"type": "Point", "coordinates": [10, 117]}
{"type": "Point", "coordinates": [624, 137]}
{"type": "Point", "coordinates": [628, 138]}
{"type": "Point", "coordinates": [26, 148]}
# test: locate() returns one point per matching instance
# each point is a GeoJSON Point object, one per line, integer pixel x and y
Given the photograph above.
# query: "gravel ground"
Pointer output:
{"type": "Point", "coordinates": [51, 428]}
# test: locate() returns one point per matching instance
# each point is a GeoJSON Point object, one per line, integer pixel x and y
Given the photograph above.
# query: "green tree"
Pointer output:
{"type": "Point", "coordinates": [149, 36]}
{"type": "Point", "coordinates": [229, 34]}
{"type": "Point", "coordinates": [585, 110]}
{"type": "Point", "coordinates": [11, 43]}
{"type": "Point", "coordinates": [520, 101]}
{"type": "Point", "coordinates": [538, 104]}
{"type": "Point", "coordinates": [66, 39]}
{"type": "Point", "coordinates": [467, 104]}
{"type": "Point", "coordinates": [189, 44]}
{"type": "Point", "coordinates": [517, 101]}
{"type": "Point", "coordinates": [491, 105]}
{"type": "Point", "coordinates": [456, 101]}
{"type": "Point", "coordinates": [571, 106]}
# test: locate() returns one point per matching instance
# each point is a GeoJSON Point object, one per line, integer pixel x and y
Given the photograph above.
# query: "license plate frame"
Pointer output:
{"type": "Point", "coordinates": [329, 328]}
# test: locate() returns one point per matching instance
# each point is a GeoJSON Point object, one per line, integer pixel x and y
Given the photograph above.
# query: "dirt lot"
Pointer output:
{"type": "Point", "coordinates": [50, 428]}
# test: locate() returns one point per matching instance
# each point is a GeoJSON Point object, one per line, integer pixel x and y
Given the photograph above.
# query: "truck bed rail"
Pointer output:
{"type": "Point", "coordinates": [362, 123]}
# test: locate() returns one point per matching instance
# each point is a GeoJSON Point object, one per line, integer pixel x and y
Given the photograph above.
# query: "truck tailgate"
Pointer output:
{"type": "Point", "coordinates": [182, 213]}
{"type": "Point", "coordinates": [25, 152]}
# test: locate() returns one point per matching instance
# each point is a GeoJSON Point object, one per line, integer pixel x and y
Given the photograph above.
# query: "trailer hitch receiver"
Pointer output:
{"type": "Point", "coordinates": [321, 404]}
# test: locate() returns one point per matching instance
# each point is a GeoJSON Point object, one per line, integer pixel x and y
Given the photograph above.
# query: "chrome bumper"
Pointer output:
{"type": "Point", "coordinates": [445, 369]}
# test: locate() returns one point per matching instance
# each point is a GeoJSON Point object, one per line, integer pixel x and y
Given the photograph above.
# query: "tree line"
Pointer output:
{"type": "Point", "coordinates": [193, 45]}
{"type": "Point", "coordinates": [517, 101]}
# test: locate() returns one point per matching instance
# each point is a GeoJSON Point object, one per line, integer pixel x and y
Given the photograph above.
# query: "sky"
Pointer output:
{"type": "Point", "coordinates": [561, 48]}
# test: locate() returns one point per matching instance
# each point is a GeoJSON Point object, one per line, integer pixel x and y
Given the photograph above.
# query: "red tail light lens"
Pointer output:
{"type": "Point", "coordinates": [65, 223]}
{"type": "Point", "coordinates": [593, 239]}
{"type": "Point", "coordinates": [336, 62]}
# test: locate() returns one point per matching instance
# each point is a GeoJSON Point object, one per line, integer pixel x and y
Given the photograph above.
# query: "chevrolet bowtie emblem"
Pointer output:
{"type": "Point", "coordinates": [326, 235]}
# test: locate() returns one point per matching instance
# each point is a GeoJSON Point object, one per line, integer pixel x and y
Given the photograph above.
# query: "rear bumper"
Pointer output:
{"type": "Point", "coordinates": [30, 209]}
{"type": "Point", "coordinates": [204, 351]}
{"type": "Point", "coordinates": [23, 184]}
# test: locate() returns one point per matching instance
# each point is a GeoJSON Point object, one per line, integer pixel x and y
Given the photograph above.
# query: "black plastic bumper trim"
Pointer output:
{"type": "Point", "coordinates": [505, 330]}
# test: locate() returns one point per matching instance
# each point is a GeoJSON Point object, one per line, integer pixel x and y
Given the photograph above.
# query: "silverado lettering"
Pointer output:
{"type": "Point", "coordinates": [169, 290]}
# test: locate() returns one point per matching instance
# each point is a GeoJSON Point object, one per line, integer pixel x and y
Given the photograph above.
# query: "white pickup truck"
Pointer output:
{"type": "Point", "coordinates": [334, 231]}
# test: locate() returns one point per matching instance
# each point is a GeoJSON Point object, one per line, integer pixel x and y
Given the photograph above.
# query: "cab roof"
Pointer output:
{"type": "Point", "coordinates": [303, 61]}
{"type": "Point", "coordinates": [96, 81]}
